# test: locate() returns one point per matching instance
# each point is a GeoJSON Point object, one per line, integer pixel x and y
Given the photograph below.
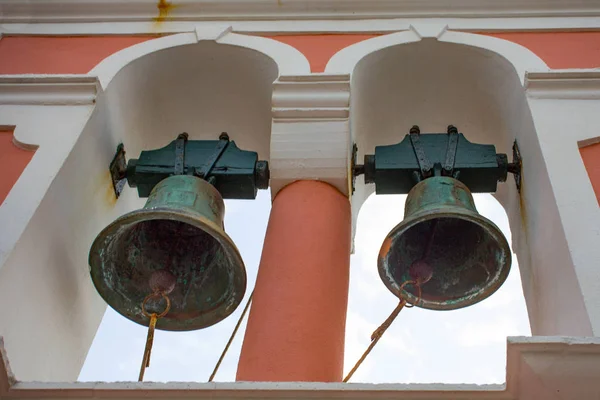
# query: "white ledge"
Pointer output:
{"type": "Point", "coordinates": [48, 89]}
{"type": "Point", "coordinates": [564, 84]}
{"type": "Point", "coordinates": [146, 10]}
{"type": "Point", "coordinates": [537, 367]}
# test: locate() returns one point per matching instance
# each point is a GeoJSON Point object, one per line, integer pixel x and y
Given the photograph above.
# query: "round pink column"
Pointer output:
{"type": "Point", "coordinates": [297, 320]}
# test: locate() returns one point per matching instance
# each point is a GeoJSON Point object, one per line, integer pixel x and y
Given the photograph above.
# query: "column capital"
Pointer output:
{"type": "Point", "coordinates": [310, 136]}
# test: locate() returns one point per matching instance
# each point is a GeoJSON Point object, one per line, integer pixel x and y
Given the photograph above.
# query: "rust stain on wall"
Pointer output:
{"type": "Point", "coordinates": [108, 189]}
{"type": "Point", "coordinates": [164, 9]}
{"type": "Point", "coordinates": [524, 217]}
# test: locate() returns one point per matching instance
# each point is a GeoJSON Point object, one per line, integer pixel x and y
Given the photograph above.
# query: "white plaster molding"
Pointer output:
{"type": "Point", "coordinates": [310, 130]}
{"type": "Point", "coordinates": [311, 96]}
{"type": "Point", "coordinates": [110, 66]}
{"type": "Point", "coordinates": [428, 29]}
{"type": "Point", "coordinates": [346, 59]}
{"type": "Point", "coordinates": [146, 10]}
{"type": "Point", "coordinates": [519, 56]}
{"type": "Point", "coordinates": [588, 142]}
{"type": "Point", "coordinates": [48, 89]}
{"type": "Point", "coordinates": [313, 26]}
{"type": "Point", "coordinates": [537, 367]}
{"type": "Point", "coordinates": [212, 31]}
{"type": "Point", "coordinates": [289, 60]}
{"type": "Point", "coordinates": [564, 84]}
{"type": "Point", "coordinates": [565, 109]}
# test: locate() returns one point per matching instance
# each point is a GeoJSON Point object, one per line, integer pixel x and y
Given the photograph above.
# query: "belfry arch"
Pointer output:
{"type": "Point", "coordinates": [432, 78]}
{"type": "Point", "coordinates": [146, 95]}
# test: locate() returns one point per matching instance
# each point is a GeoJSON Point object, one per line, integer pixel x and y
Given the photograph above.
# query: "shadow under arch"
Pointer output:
{"type": "Point", "coordinates": [475, 83]}
{"type": "Point", "coordinates": [154, 90]}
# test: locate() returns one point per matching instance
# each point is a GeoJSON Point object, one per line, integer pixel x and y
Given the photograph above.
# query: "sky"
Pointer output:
{"type": "Point", "coordinates": [421, 346]}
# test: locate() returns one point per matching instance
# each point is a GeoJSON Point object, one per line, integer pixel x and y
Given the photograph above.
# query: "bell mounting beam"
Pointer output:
{"type": "Point", "coordinates": [395, 169]}
{"type": "Point", "coordinates": [236, 173]}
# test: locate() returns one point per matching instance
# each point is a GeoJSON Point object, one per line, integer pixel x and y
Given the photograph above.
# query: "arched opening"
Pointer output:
{"type": "Point", "coordinates": [115, 354]}
{"type": "Point", "coordinates": [425, 346]}
{"type": "Point", "coordinates": [434, 83]}
{"type": "Point", "coordinates": [152, 92]}
{"type": "Point", "coordinates": [202, 89]}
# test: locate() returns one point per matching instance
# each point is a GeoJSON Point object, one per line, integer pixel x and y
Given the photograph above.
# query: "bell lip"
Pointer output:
{"type": "Point", "coordinates": [182, 216]}
{"type": "Point", "coordinates": [447, 212]}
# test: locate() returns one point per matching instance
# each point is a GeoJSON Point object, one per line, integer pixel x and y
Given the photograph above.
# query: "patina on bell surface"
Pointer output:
{"type": "Point", "coordinates": [179, 233]}
{"type": "Point", "coordinates": [466, 255]}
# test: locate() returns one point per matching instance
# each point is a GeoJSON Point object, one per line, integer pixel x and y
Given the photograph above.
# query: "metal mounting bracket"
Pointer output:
{"type": "Point", "coordinates": [516, 166]}
{"type": "Point", "coordinates": [235, 173]}
{"type": "Point", "coordinates": [118, 170]}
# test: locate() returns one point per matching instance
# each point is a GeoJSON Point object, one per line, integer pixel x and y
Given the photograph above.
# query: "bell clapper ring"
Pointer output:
{"type": "Point", "coordinates": [151, 327]}
{"type": "Point", "coordinates": [416, 283]}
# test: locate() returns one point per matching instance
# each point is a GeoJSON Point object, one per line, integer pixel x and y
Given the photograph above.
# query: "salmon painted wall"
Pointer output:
{"type": "Point", "coordinates": [13, 161]}
{"type": "Point", "coordinates": [557, 49]}
{"type": "Point", "coordinates": [59, 55]}
{"type": "Point", "coordinates": [560, 49]}
{"type": "Point", "coordinates": [48, 55]}
{"type": "Point", "coordinates": [319, 49]}
{"type": "Point", "coordinates": [591, 159]}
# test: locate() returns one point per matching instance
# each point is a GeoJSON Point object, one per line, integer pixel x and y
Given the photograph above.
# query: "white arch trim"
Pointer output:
{"type": "Point", "coordinates": [289, 60]}
{"type": "Point", "coordinates": [523, 59]}
{"type": "Point", "coordinates": [345, 60]}
{"type": "Point", "coordinates": [520, 57]}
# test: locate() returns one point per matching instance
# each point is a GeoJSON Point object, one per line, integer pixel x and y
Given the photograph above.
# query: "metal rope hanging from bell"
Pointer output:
{"type": "Point", "coordinates": [462, 256]}
{"type": "Point", "coordinates": [170, 265]}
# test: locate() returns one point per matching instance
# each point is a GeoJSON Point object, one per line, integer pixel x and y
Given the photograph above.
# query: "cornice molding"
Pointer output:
{"type": "Point", "coordinates": [320, 96]}
{"type": "Point", "coordinates": [310, 130]}
{"type": "Point", "coordinates": [48, 89]}
{"type": "Point", "coordinates": [185, 10]}
{"type": "Point", "coordinates": [303, 26]}
{"type": "Point", "coordinates": [574, 84]}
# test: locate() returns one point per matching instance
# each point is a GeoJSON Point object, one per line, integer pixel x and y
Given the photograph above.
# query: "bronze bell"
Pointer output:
{"type": "Point", "coordinates": [459, 257]}
{"type": "Point", "coordinates": [176, 241]}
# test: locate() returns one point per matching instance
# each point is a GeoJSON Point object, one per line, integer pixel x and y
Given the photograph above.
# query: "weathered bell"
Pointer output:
{"type": "Point", "coordinates": [177, 241]}
{"type": "Point", "coordinates": [459, 256]}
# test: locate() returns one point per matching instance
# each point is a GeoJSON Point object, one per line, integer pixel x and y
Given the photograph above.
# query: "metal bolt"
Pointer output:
{"type": "Point", "coordinates": [183, 136]}
{"type": "Point", "coordinates": [262, 175]}
{"type": "Point", "coordinates": [452, 129]}
{"type": "Point", "coordinates": [514, 167]}
{"type": "Point", "coordinates": [359, 169]}
{"type": "Point", "coordinates": [224, 136]}
{"type": "Point", "coordinates": [415, 129]}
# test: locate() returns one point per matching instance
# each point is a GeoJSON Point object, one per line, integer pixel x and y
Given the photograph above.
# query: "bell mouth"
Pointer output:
{"type": "Point", "coordinates": [208, 269]}
{"type": "Point", "coordinates": [467, 255]}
